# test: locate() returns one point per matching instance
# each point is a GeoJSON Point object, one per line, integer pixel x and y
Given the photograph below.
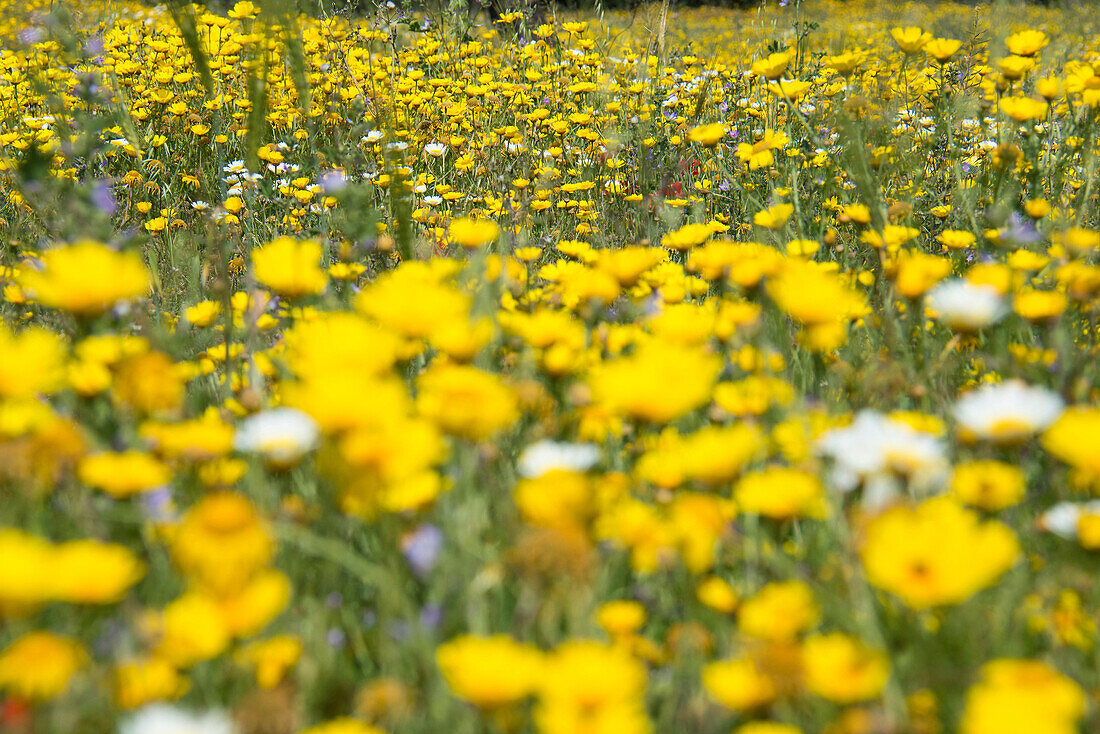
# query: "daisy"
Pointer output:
{"type": "Point", "coordinates": [1008, 411]}
{"type": "Point", "coordinates": [163, 719]}
{"type": "Point", "coordinates": [965, 306]}
{"type": "Point", "coordinates": [875, 450]}
{"type": "Point", "coordinates": [546, 456]}
{"type": "Point", "coordinates": [282, 435]}
{"type": "Point", "coordinates": [1078, 521]}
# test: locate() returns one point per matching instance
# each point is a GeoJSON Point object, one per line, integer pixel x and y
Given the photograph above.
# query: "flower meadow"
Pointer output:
{"type": "Point", "coordinates": [654, 370]}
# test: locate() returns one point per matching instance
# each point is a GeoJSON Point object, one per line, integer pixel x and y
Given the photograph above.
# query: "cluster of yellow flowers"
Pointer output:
{"type": "Point", "coordinates": [686, 370]}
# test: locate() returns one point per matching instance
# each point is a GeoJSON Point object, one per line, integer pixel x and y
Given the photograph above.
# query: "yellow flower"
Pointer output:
{"type": "Point", "coordinates": [781, 493]}
{"type": "Point", "coordinates": [1040, 306]}
{"type": "Point", "coordinates": [150, 383]}
{"type": "Point", "coordinates": [221, 542]}
{"type": "Point", "coordinates": [942, 49]}
{"type": "Point", "coordinates": [1075, 439]}
{"type": "Point", "coordinates": [754, 395]}
{"type": "Point", "coordinates": [473, 233]}
{"type": "Point", "coordinates": [145, 680]}
{"type": "Point", "coordinates": [387, 300]}
{"type": "Point", "coordinates": [918, 271]}
{"type": "Point", "coordinates": [707, 135]}
{"type": "Point", "coordinates": [658, 383]}
{"type": "Point", "coordinates": [910, 40]}
{"type": "Point", "coordinates": [892, 236]}
{"type": "Point", "coordinates": [772, 66]}
{"type": "Point", "coordinates": [858, 213]}
{"type": "Point", "coordinates": [936, 553]}
{"type": "Point", "coordinates": [713, 455]}
{"type": "Point", "coordinates": [816, 297]}
{"type": "Point", "coordinates": [774, 217]}
{"type": "Point", "coordinates": [842, 670]}
{"type": "Point", "coordinates": [339, 340]}
{"type": "Point", "coordinates": [779, 612]}
{"type": "Point", "coordinates": [557, 499]}
{"type": "Point", "coordinates": [687, 237]}
{"type": "Point", "coordinates": [39, 665]}
{"type": "Point", "coordinates": [696, 522]}
{"type": "Point", "coordinates": [86, 278]}
{"type": "Point", "coordinates": [621, 618]}
{"type": "Point", "coordinates": [77, 571]}
{"type": "Point", "coordinates": [243, 9]}
{"type": "Point", "coordinates": [1022, 109]}
{"type": "Point", "coordinates": [1015, 67]}
{"type": "Point", "coordinates": [789, 89]}
{"type": "Point", "coordinates": [989, 485]}
{"type": "Point", "coordinates": [32, 362]}
{"type": "Point", "coordinates": [290, 267]}
{"type": "Point", "coordinates": [738, 684]}
{"type": "Point", "coordinates": [202, 314]}
{"type": "Point", "coordinates": [466, 401]}
{"type": "Point", "coordinates": [588, 686]}
{"type": "Point", "coordinates": [91, 572]}
{"type": "Point", "coordinates": [204, 438]}
{"type": "Point", "coordinates": [760, 154]}
{"type": "Point", "coordinates": [123, 474]}
{"type": "Point", "coordinates": [489, 671]}
{"type": "Point", "coordinates": [461, 340]}
{"type": "Point", "coordinates": [271, 658]}
{"type": "Point", "coordinates": [1027, 42]}
{"type": "Point", "coordinates": [1078, 239]}
{"type": "Point", "coordinates": [1022, 697]}
{"type": "Point", "coordinates": [767, 727]}
{"type": "Point", "coordinates": [343, 725]}
{"type": "Point", "coordinates": [717, 593]}
{"type": "Point", "coordinates": [248, 610]}
{"type": "Point", "coordinates": [188, 630]}
{"type": "Point", "coordinates": [24, 579]}
{"type": "Point", "coordinates": [956, 239]}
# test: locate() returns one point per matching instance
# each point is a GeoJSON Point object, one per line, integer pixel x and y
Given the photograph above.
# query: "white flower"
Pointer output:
{"type": "Point", "coordinates": [874, 450]}
{"type": "Point", "coordinates": [373, 136]}
{"type": "Point", "coordinates": [161, 718]}
{"type": "Point", "coordinates": [546, 456]}
{"type": "Point", "coordinates": [965, 306]}
{"type": "Point", "coordinates": [281, 435]}
{"type": "Point", "coordinates": [1008, 411]}
{"type": "Point", "coordinates": [436, 150]}
{"type": "Point", "coordinates": [1064, 519]}
{"type": "Point", "coordinates": [236, 167]}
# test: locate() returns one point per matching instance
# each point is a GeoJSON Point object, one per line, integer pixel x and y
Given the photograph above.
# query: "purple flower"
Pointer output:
{"type": "Point", "coordinates": [103, 198]}
{"type": "Point", "coordinates": [333, 180]}
{"type": "Point", "coordinates": [93, 46]}
{"type": "Point", "coordinates": [430, 616]}
{"type": "Point", "coordinates": [157, 504]}
{"type": "Point", "coordinates": [335, 637]}
{"type": "Point", "coordinates": [31, 36]}
{"type": "Point", "coordinates": [1021, 231]}
{"type": "Point", "coordinates": [421, 549]}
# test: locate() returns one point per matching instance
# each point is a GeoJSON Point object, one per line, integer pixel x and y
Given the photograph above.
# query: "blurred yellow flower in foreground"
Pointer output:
{"type": "Point", "coordinates": [490, 671]}
{"type": "Point", "coordinates": [86, 278]}
{"type": "Point", "coordinates": [39, 665]}
{"type": "Point", "coordinates": [936, 553]}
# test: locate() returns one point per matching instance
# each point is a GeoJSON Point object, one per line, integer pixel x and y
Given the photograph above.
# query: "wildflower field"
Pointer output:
{"type": "Point", "coordinates": [656, 370]}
